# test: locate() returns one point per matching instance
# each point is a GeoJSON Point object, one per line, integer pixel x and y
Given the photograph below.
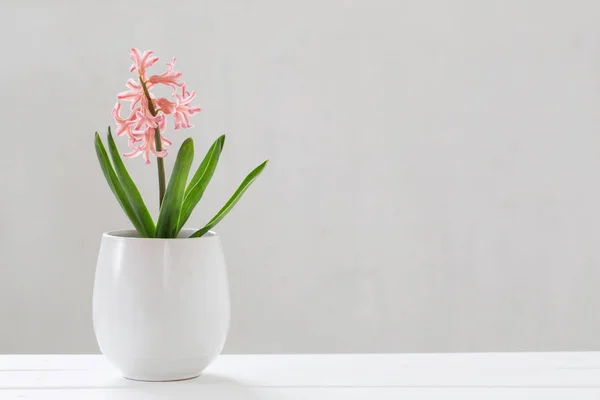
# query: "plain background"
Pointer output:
{"type": "Point", "coordinates": [434, 172]}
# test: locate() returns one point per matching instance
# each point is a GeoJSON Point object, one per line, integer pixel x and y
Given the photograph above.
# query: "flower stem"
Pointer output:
{"type": "Point", "coordinates": [161, 167]}
{"type": "Point", "coordinates": [158, 143]}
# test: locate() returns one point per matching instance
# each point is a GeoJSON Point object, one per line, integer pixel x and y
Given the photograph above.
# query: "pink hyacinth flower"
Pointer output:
{"type": "Point", "coordinates": [184, 110]}
{"type": "Point", "coordinates": [141, 61]}
{"type": "Point", "coordinates": [148, 113]}
{"type": "Point", "coordinates": [123, 125]}
{"type": "Point", "coordinates": [169, 77]}
{"type": "Point", "coordinates": [143, 120]}
{"type": "Point", "coordinates": [135, 94]}
{"type": "Point", "coordinates": [166, 106]}
{"type": "Point", "coordinates": [142, 143]}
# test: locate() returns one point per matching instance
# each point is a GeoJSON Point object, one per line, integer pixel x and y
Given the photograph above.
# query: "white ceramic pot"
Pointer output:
{"type": "Point", "coordinates": [161, 306]}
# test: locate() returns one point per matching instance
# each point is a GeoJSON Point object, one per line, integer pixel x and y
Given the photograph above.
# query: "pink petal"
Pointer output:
{"type": "Point", "coordinates": [122, 126]}
{"type": "Point", "coordinates": [162, 154]}
{"type": "Point", "coordinates": [162, 122]}
{"type": "Point", "coordinates": [127, 95]}
{"type": "Point", "coordinates": [141, 61]}
{"type": "Point", "coordinates": [166, 106]}
{"type": "Point", "coordinates": [169, 77]}
{"type": "Point", "coordinates": [133, 154]}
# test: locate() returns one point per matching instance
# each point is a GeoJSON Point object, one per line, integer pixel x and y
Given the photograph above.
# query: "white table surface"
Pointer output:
{"type": "Point", "coordinates": [383, 376]}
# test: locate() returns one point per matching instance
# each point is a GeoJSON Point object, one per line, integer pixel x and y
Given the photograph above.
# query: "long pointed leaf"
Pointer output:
{"type": "Point", "coordinates": [115, 185]}
{"type": "Point", "coordinates": [232, 201]}
{"type": "Point", "coordinates": [201, 179]}
{"type": "Point", "coordinates": [170, 211]}
{"type": "Point", "coordinates": [132, 192]}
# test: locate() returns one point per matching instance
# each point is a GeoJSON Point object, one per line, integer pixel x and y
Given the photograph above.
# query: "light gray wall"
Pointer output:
{"type": "Point", "coordinates": [434, 170]}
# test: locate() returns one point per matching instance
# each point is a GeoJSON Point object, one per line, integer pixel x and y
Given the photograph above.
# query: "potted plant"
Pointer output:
{"type": "Point", "coordinates": [161, 300]}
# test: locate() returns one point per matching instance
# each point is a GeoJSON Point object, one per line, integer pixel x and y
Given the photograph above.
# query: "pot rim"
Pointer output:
{"type": "Point", "coordinates": [131, 234]}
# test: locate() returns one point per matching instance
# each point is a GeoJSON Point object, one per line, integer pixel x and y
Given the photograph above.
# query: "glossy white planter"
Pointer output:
{"type": "Point", "coordinates": [161, 306]}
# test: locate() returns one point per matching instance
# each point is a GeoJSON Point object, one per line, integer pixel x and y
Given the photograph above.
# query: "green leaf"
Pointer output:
{"type": "Point", "coordinates": [232, 201]}
{"type": "Point", "coordinates": [115, 185]}
{"type": "Point", "coordinates": [200, 180]}
{"type": "Point", "coordinates": [132, 192]}
{"type": "Point", "coordinates": [170, 211]}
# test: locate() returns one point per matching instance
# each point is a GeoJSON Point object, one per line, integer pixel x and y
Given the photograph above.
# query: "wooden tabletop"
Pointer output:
{"type": "Point", "coordinates": [359, 376]}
